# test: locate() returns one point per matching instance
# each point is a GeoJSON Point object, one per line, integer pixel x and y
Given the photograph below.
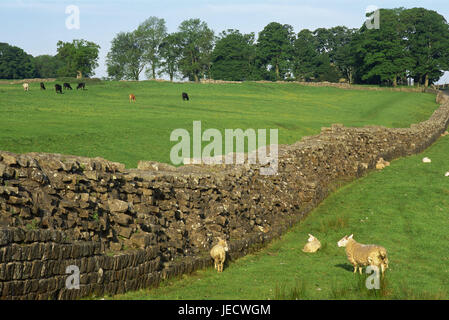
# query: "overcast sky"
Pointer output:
{"type": "Point", "coordinates": [37, 25]}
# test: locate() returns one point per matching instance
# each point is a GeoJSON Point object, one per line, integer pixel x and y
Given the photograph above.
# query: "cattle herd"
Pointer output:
{"type": "Point", "coordinates": [58, 87]}
{"type": "Point", "coordinates": [82, 86]}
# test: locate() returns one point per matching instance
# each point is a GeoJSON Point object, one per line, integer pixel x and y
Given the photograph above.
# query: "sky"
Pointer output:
{"type": "Point", "coordinates": [37, 25]}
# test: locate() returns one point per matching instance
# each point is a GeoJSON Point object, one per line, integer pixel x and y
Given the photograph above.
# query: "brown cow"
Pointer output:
{"type": "Point", "coordinates": [132, 98]}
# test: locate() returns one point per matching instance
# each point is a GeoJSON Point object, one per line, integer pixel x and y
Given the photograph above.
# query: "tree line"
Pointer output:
{"type": "Point", "coordinates": [410, 44]}
{"type": "Point", "coordinates": [78, 56]}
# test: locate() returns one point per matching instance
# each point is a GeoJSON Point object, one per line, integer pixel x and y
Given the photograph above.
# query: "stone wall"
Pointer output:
{"type": "Point", "coordinates": [129, 228]}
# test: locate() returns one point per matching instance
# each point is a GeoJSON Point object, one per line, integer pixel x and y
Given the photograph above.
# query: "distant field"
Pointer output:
{"type": "Point", "coordinates": [101, 122]}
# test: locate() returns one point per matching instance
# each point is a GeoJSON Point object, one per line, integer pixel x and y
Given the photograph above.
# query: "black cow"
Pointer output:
{"type": "Point", "coordinates": [185, 96]}
{"type": "Point", "coordinates": [58, 88]}
{"type": "Point", "coordinates": [42, 86]}
{"type": "Point", "coordinates": [67, 86]}
{"type": "Point", "coordinates": [81, 85]}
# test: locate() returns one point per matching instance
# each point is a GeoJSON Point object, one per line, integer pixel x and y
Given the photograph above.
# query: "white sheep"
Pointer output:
{"type": "Point", "coordinates": [26, 86]}
{"type": "Point", "coordinates": [313, 245]}
{"type": "Point", "coordinates": [361, 255]}
{"type": "Point", "coordinates": [426, 160]}
{"type": "Point", "coordinates": [218, 253]}
{"type": "Point", "coordinates": [381, 164]}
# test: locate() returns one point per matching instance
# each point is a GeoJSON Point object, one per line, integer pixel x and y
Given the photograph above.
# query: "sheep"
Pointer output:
{"type": "Point", "coordinates": [426, 160]}
{"type": "Point", "coordinates": [364, 254]}
{"type": "Point", "coordinates": [381, 164]}
{"type": "Point", "coordinates": [26, 86]}
{"type": "Point", "coordinates": [185, 96]}
{"type": "Point", "coordinates": [312, 245]}
{"type": "Point", "coordinates": [218, 253]}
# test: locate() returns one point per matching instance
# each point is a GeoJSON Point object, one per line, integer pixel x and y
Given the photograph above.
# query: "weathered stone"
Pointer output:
{"type": "Point", "coordinates": [116, 205]}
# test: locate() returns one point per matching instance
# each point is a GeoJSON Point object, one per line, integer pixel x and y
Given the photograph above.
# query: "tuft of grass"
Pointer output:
{"type": "Point", "coordinates": [298, 292]}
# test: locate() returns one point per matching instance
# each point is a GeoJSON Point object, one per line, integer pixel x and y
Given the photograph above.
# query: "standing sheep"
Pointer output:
{"type": "Point", "coordinates": [26, 86]}
{"type": "Point", "coordinates": [218, 253]}
{"type": "Point", "coordinates": [364, 254]}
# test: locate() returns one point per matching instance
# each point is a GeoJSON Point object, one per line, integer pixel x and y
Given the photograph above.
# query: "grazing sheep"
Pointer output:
{"type": "Point", "coordinates": [81, 85]}
{"type": "Point", "coordinates": [218, 253]}
{"type": "Point", "coordinates": [132, 98]}
{"type": "Point", "coordinates": [26, 86]}
{"type": "Point", "coordinates": [58, 88]}
{"type": "Point", "coordinates": [67, 86]}
{"type": "Point", "coordinates": [312, 245]}
{"type": "Point", "coordinates": [381, 164]}
{"type": "Point", "coordinates": [426, 160]}
{"type": "Point", "coordinates": [185, 96]}
{"type": "Point", "coordinates": [42, 86]}
{"type": "Point", "coordinates": [364, 254]}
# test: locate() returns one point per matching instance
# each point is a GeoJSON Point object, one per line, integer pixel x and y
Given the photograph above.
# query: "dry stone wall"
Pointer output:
{"type": "Point", "coordinates": [127, 229]}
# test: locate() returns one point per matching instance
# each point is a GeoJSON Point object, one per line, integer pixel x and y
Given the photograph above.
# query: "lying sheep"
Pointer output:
{"type": "Point", "coordinates": [218, 253]}
{"type": "Point", "coordinates": [381, 164]}
{"type": "Point", "coordinates": [426, 160]}
{"type": "Point", "coordinates": [312, 245]}
{"type": "Point", "coordinates": [364, 254]}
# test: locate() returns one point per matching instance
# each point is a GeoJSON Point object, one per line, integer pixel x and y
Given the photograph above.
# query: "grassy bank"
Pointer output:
{"type": "Point", "coordinates": [405, 208]}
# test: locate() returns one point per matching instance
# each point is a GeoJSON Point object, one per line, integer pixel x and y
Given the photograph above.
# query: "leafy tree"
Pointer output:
{"type": "Point", "coordinates": [170, 51]}
{"type": "Point", "coordinates": [336, 42]}
{"type": "Point", "coordinates": [15, 63]}
{"type": "Point", "coordinates": [126, 59]}
{"type": "Point", "coordinates": [275, 48]}
{"type": "Point", "coordinates": [47, 66]}
{"type": "Point", "coordinates": [427, 34]}
{"type": "Point", "coordinates": [381, 53]}
{"type": "Point", "coordinates": [197, 43]}
{"type": "Point", "coordinates": [306, 56]}
{"type": "Point", "coordinates": [150, 35]}
{"type": "Point", "coordinates": [233, 58]}
{"type": "Point", "coordinates": [79, 55]}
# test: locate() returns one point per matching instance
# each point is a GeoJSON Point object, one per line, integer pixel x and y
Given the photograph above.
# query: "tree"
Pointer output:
{"type": "Point", "coordinates": [170, 51]}
{"type": "Point", "coordinates": [126, 59]}
{"type": "Point", "coordinates": [197, 43]}
{"type": "Point", "coordinates": [274, 49]}
{"type": "Point", "coordinates": [427, 34]}
{"type": "Point", "coordinates": [381, 53]}
{"type": "Point", "coordinates": [336, 42]}
{"type": "Point", "coordinates": [309, 62]}
{"type": "Point", "coordinates": [306, 56]}
{"type": "Point", "coordinates": [233, 56]}
{"type": "Point", "coordinates": [47, 66]}
{"type": "Point", "coordinates": [79, 55]}
{"type": "Point", "coordinates": [150, 35]}
{"type": "Point", "coordinates": [15, 63]}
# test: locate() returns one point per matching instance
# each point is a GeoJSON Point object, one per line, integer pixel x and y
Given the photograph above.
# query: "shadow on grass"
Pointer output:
{"type": "Point", "coordinates": [345, 266]}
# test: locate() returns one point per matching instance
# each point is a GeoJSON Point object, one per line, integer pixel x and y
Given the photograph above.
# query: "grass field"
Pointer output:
{"type": "Point", "coordinates": [101, 122]}
{"type": "Point", "coordinates": [405, 208]}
